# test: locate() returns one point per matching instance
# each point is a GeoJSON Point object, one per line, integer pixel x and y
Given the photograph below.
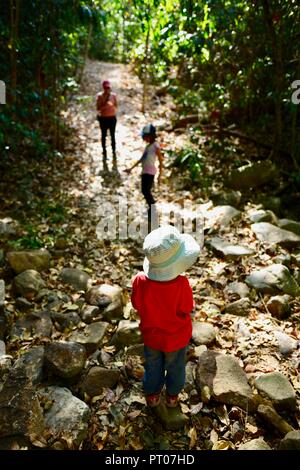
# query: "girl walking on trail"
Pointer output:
{"type": "Point", "coordinates": [148, 161]}
{"type": "Point", "coordinates": [164, 300]}
{"type": "Point", "coordinates": [107, 109]}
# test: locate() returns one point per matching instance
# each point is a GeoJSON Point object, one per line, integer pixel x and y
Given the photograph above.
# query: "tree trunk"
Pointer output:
{"type": "Point", "coordinates": [146, 62]}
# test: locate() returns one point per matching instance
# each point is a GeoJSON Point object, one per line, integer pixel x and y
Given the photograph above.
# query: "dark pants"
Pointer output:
{"type": "Point", "coordinates": [147, 183]}
{"type": "Point", "coordinates": [164, 368]}
{"type": "Point", "coordinates": [108, 123]}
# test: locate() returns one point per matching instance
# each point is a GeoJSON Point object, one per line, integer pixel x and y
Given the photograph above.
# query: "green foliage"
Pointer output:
{"type": "Point", "coordinates": [188, 160]}
{"type": "Point", "coordinates": [30, 240]}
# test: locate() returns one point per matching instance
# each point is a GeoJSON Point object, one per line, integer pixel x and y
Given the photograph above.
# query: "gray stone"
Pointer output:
{"type": "Point", "coordinates": [90, 314]}
{"type": "Point", "coordinates": [255, 444]}
{"type": "Point", "coordinates": [171, 418]}
{"type": "Point", "coordinates": [23, 304]}
{"type": "Point", "coordinates": [203, 333]}
{"type": "Point", "coordinates": [271, 234]}
{"type": "Point", "coordinates": [34, 325]}
{"type": "Point", "coordinates": [108, 298]}
{"type": "Point", "coordinates": [78, 279]}
{"type": "Point", "coordinates": [190, 370]}
{"type": "Point", "coordinates": [279, 306]}
{"type": "Point", "coordinates": [8, 227]}
{"type": "Point", "coordinates": [240, 307]}
{"type": "Point", "coordinates": [290, 225]}
{"type": "Point", "coordinates": [263, 216]}
{"type": "Point", "coordinates": [65, 359]}
{"type": "Point", "coordinates": [65, 321]}
{"type": "Point", "coordinates": [229, 250]}
{"type": "Point", "coordinates": [278, 389]}
{"type": "Point", "coordinates": [91, 336]}
{"type": "Point", "coordinates": [67, 415]}
{"type": "Point", "coordinates": [220, 216]}
{"type": "Point", "coordinates": [274, 279]}
{"type": "Point", "coordinates": [127, 333]}
{"type": "Point", "coordinates": [224, 378]}
{"type": "Point", "coordinates": [210, 309]}
{"type": "Point", "coordinates": [28, 283]}
{"type": "Point", "coordinates": [38, 260]}
{"type": "Point", "coordinates": [32, 362]}
{"type": "Point", "coordinates": [252, 175]}
{"type": "Point", "coordinates": [230, 198]}
{"type": "Point", "coordinates": [291, 441]}
{"type": "Point", "coordinates": [2, 295]}
{"type": "Point", "coordinates": [135, 350]}
{"type": "Point", "coordinates": [98, 378]}
{"type": "Point", "coordinates": [238, 288]}
{"type": "Point", "coordinates": [20, 411]}
{"type": "Point", "coordinates": [269, 414]}
{"type": "Point", "coordinates": [198, 350]}
{"type": "Point", "coordinates": [286, 344]}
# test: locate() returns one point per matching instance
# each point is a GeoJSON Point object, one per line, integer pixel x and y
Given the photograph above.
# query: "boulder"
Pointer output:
{"type": "Point", "coordinates": [23, 304]}
{"type": "Point", "coordinates": [278, 389]}
{"type": "Point", "coordinates": [274, 279]}
{"type": "Point", "coordinates": [203, 333]}
{"type": "Point", "coordinates": [38, 260]}
{"type": "Point", "coordinates": [271, 234]}
{"type": "Point", "coordinates": [230, 198]}
{"type": "Point", "coordinates": [238, 288]}
{"type": "Point", "coordinates": [32, 362]}
{"type": "Point", "coordinates": [20, 411]}
{"type": "Point", "coordinates": [65, 321]}
{"type": "Point", "coordinates": [135, 350]}
{"type": "Point", "coordinates": [224, 379]}
{"type": "Point", "coordinates": [28, 283]}
{"type": "Point", "coordinates": [91, 336]}
{"type": "Point", "coordinates": [108, 298]}
{"type": "Point", "coordinates": [291, 441]}
{"type": "Point", "coordinates": [252, 176]}
{"type": "Point", "coordinates": [127, 333]}
{"type": "Point", "coordinates": [78, 279]}
{"type": "Point", "coordinates": [228, 250]}
{"type": "Point", "coordinates": [65, 359]}
{"type": "Point", "coordinates": [255, 444]}
{"type": "Point", "coordinates": [98, 378]}
{"type": "Point", "coordinates": [34, 325]}
{"type": "Point", "coordinates": [2, 295]}
{"type": "Point", "coordinates": [65, 414]}
{"type": "Point", "coordinates": [290, 225]}
{"type": "Point", "coordinates": [90, 314]}
{"type": "Point", "coordinates": [269, 414]}
{"type": "Point", "coordinates": [240, 307]}
{"type": "Point", "coordinates": [279, 306]}
{"type": "Point", "coordinates": [220, 216]}
{"type": "Point", "coordinates": [263, 216]}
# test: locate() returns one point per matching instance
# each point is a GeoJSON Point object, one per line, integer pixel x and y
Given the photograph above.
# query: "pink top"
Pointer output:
{"type": "Point", "coordinates": [107, 104]}
{"type": "Point", "coordinates": [149, 159]}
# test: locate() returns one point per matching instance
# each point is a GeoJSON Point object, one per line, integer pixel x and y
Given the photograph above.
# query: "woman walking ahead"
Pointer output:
{"type": "Point", "coordinates": [107, 108]}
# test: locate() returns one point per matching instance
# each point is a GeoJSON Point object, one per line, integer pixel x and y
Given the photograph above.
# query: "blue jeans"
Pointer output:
{"type": "Point", "coordinates": [164, 368]}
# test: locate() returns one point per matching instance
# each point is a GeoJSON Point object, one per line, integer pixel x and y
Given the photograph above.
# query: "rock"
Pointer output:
{"type": "Point", "coordinates": [203, 333]}
{"type": "Point", "coordinates": [240, 307]}
{"type": "Point", "coordinates": [171, 418]}
{"type": "Point", "coordinates": [278, 389]}
{"type": "Point", "coordinates": [273, 279]}
{"type": "Point", "coordinates": [210, 309]}
{"type": "Point", "coordinates": [220, 216]}
{"type": "Point", "coordinates": [127, 333]}
{"type": "Point", "coordinates": [23, 304]}
{"type": "Point", "coordinates": [231, 198]}
{"type": "Point", "coordinates": [65, 359]}
{"type": "Point", "coordinates": [91, 337]}
{"type": "Point", "coordinates": [34, 325]}
{"type": "Point", "coordinates": [271, 234]}
{"type": "Point", "coordinates": [198, 350]}
{"type": "Point", "coordinates": [67, 415]}
{"type": "Point", "coordinates": [20, 411]}
{"type": "Point", "coordinates": [291, 441]}
{"type": "Point", "coordinates": [32, 362]}
{"type": "Point", "coordinates": [8, 227]}
{"type": "Point", "coordinates": [2, 348]}
{"type": "Point", "coordinates": [263, 216]}
{"type": "Point", "coordinates": [65, 321]}
{"type": "Point", "coordinates": [108, 298]}
{"type": "Point", "coordinates": [255, 444]}
{"type": "Point", "coordinates": [285, 259]}
{"type": "Point", "coordinates": [2, 295]}
{"type": "Point", "coordinates": [190, 370]}
{"type": "Point", "coordinates": [98, 378]}
{"type": "Point", "coordinates": [225, 379]}
{"type": "Point", "coordinates": [38, 260]}
{"type": "Point", "coordinates": [135, 350]}
{"type": "Point", "coordinates": [290, 225]}
{"type": "Point", "coordinates": [90, 314]}
{"type": "Point", "coordinates": [269, 415]}
{"type": "Point", "coordinates": [228, 250]}
{"type": "Point", "coordinates": [28, 283]}
{"type": "Point", "coordinates": [252, 175]}
{"type": "Point", "coordinates": [279, 306]}
{"type": "Point", "coordinates": [286, 344]}
{"type": "Point", "coordinates": [78, 279]}
{"type": "Point", "coordinates": [239, 288]}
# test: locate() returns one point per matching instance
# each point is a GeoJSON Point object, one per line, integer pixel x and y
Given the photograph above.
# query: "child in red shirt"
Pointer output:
{"type": "Point", "coordinates": [164, 301]}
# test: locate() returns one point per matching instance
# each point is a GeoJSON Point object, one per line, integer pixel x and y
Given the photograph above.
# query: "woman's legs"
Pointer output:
{"type": "Point", "coordinates": [112, 130]}
{"type": "Point", "coordinates": [104, 128]}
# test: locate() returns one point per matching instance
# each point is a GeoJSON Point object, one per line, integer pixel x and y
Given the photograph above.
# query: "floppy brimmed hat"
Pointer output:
{"type": "Point", "coordinates": [168, 253]}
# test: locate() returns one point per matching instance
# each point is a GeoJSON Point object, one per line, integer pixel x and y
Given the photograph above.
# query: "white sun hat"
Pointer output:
{"type": "Point", "coordinates": [168, 253]}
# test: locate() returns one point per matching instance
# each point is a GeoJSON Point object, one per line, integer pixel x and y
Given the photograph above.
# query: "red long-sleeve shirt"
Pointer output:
{"type": "Point", "coordinates": [164, 309]}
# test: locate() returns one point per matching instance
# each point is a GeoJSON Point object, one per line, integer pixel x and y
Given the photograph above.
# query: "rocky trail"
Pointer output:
{"type": "Point", "coordinates": [71, 357]}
